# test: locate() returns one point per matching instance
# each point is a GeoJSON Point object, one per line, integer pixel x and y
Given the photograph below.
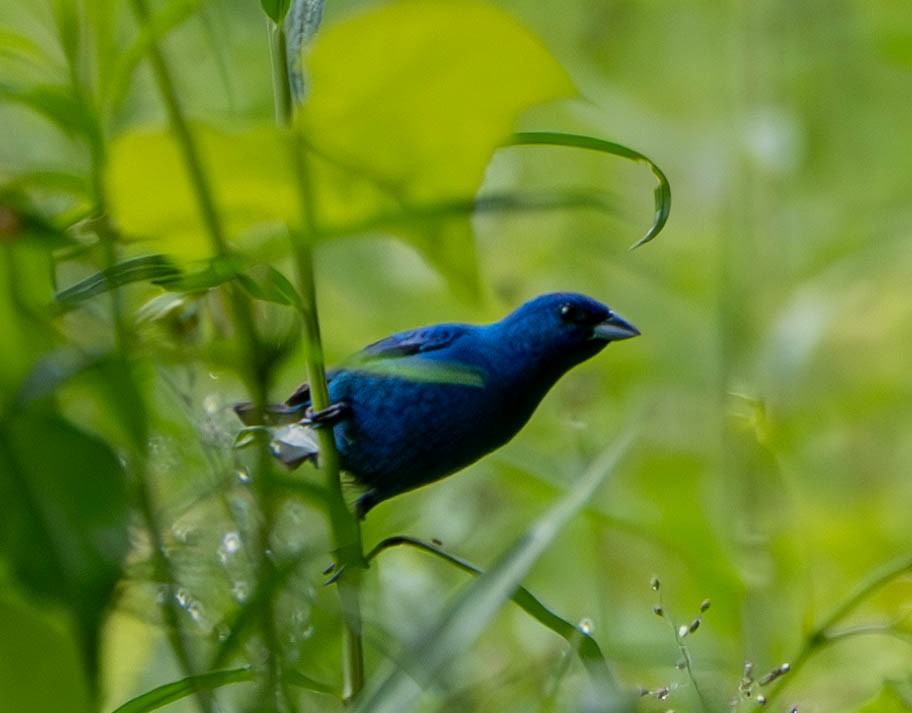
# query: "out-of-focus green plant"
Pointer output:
{"type": "Point", "coordinates": [408, 104]}
{"type": "Point", "coordinates": [168, 216]}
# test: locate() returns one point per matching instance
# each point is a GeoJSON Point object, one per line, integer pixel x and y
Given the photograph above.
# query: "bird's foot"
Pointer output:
{"type": "Point", "coordinates": [333, 574]}
{"type": "Point", "coordinates": [329, 416]}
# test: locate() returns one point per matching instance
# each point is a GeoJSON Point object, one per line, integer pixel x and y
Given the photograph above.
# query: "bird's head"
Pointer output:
{"type": "Point", "coordinates": [562, 329]}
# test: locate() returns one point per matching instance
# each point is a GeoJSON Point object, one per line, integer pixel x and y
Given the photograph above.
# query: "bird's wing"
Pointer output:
{"type": "Point", "coordinates": [439, 354]}
{"type": "Point", "coordinates": [397, 346]}
{"type": "Point", "coordinates": [416, 341]}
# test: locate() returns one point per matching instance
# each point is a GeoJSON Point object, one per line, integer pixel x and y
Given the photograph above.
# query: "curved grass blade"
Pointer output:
{"type": "Point", "coordinates": [461, 625]}
{"type": "Point", "coordinates": [148, 267]}
{"type": "Point", "coordinates": [582, 642]}
{"type": "Point", "coordinates": [171, 692]}
{"type": "Point", "coordinates": [505, 202]}
{"type": "Point", "coordinates": [581, 141]}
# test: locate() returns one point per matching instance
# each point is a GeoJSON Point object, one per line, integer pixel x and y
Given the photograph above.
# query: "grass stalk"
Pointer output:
{"type": "Point", "coordinates": [822, 635]}
{"type": "Point", "coordinates": [345, 528]}
{"type": "Point", "coordinates": [138, 468]}
{"type": "Point", "coordinates": [256, 361]}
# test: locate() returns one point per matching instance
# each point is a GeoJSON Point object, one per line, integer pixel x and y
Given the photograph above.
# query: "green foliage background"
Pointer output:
{"type": "Point", "coordinates": [769, 396]}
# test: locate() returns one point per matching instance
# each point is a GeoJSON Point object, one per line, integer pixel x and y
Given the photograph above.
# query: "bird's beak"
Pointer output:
{"type": "Point", "coordinates": [614, 329]}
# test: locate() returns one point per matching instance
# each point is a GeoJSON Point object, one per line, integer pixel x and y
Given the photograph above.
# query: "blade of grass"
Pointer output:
{"type": "Point", "coordinates": [148, 267]}
{"type": "Point", "coordinates": [591, 143]}
{"type": "Point", "coordinates": [256, 361]}
{"type": "Point", "coordinates": [822, 636]}
{"type": "Point", "coordinates": [459, 627]}
{"type": "Point", "coordinates": [175, 691]}
{"type": "Point", "coordinates": [344, 525]}
{"type": "Point", "coordinates": [581, 641]}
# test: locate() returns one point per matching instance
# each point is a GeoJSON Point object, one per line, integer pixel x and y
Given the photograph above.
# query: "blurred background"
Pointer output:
{"type": "Point", "coordinates": [770, 394]}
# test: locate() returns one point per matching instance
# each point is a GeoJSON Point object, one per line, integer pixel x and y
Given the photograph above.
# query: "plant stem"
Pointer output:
{"type": "Point", "coordinates": [138, 466]}
{"type": "Point", "coordinates": [256, 360]}
{"type": "Point", "coordinates": [821, 635]}
{"type": "Point", "coordinates": [346, 530]}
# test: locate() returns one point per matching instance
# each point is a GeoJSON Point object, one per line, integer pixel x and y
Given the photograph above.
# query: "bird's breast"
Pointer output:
{"type": "Point", "coordinates": [415, 432]}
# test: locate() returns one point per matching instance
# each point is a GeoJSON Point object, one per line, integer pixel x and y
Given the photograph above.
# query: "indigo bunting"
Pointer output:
{"type": "Point", "coordinates": [423, 404]}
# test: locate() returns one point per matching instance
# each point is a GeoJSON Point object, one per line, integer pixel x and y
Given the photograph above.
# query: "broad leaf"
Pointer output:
{"type": "Point", "coordinates": [64, 529]}
{"type": "Point", "coordinates": [408, 103]}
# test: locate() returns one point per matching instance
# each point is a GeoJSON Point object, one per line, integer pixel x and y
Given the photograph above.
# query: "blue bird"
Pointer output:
{"type": "Point", "coordinates": [423, 404]}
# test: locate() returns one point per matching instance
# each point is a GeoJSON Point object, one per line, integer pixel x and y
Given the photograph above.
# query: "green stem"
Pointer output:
{"type": "Point", "coordinates": [281, 89]}
{"type": "Point", "coordinates": [256, 360]}
{"type": "Point", "coordinates": [580, 640]}
{"type": "Point", "coordinates": [107, 238]}
{"type": "Point", "coordinates": [346, 530]}
{"type": "Point", "coordinates": [822, 635]}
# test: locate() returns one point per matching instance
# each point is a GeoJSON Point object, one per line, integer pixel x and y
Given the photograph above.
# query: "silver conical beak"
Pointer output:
{"type": "Point", "coordinates": [614, 329]}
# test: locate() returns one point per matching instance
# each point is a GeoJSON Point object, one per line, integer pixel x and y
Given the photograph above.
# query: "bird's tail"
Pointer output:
{"type": "Point", "coordinates": [270, 415]}
{"type": "Point", "coordinates": [292, 441]}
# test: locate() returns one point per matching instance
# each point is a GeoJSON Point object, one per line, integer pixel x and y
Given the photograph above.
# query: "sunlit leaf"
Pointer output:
{"type": "Point", "coordinates": [152, 198]}
{"type": "Point", "coordinates": [409, 101]}
{"type": "Point", "coordinates": [892, 698]}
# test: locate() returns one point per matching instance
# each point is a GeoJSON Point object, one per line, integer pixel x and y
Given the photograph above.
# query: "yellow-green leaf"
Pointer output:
{"type": "Point", "coordinates": [408, 103]}
{"type": "Point", "coordinates": [153, 200]}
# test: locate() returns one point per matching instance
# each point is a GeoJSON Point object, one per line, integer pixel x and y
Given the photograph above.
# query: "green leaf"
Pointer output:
{"type": "Point", "coordinates": [591, 143]}
{"type": "Point", "coordinates": [462, 623]}
{"type": "Point", "coordinates": [275, 9]}
{"type": "Point", "coordinates": [151, 195]}
{"type": "Point", "coordinates": [264, 282]}
{"type": "Point", "coordinates": [165, 19]}
{"type": "Point", "coordinates": [408, 103]}
{"type": "Point", "coordinates": [64, 530]}
{"type": "Point", "coordinates": [35, 649]}
{"type": "Point", "coordinates": [58, 104]}
{"type": "Point", "coordinates": [148, 267]}
{"type": "Point", "coordinates": [586, 647]}
{"type": "Point", "coordinates": [893, 698]}
{"type": "Point", "coordinates": [171, 692]}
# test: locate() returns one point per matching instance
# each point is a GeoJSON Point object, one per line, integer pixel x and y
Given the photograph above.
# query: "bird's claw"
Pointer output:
{"type": "Point", "coordinates": [335, 575]}
{"type": "Point", "coordinates": [329, 416]}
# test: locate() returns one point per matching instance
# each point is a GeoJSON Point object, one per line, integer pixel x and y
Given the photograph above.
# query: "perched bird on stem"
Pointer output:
{"type": "Point", "coordinates": [420, 405]}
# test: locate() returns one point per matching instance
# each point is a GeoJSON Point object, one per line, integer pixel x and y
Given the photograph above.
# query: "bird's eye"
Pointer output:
{"type": "Point", "coordinates": [571, 313]}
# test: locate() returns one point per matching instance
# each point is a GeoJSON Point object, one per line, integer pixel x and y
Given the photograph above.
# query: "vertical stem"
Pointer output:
{"type": "Point", "coordinates": [346, 530]}
{"type": "Point", "coordinates": [255, 361]}
{"type": "Point", "coordinates": [107, 237]}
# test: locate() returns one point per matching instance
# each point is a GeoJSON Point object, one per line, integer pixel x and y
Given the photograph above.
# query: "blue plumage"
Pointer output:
{"type": "Point", "coordinates": [420, 405]}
